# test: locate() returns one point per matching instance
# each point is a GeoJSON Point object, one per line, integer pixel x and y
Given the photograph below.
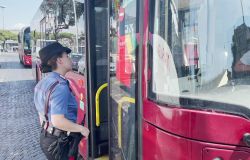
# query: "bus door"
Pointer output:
{"type": "Point", "coordinates": [97, 69]}
{"type": "Point", "coordinates": [122, 82]}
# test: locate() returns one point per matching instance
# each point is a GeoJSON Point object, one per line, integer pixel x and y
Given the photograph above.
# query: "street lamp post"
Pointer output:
{"type": "Point", "coordinates": [77, 47]}
{"type": "Point", "coordinates": [3, 14]}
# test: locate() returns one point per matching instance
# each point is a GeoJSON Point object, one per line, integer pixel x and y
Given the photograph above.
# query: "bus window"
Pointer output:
{"type": "Point", "coordinates": [27, 39]}
{"type": "Point", "coordinates": [127, 42]}
{"type": "Point", "coordinates": [123, 50]}
{"type": "Point", "coordinates": [196, 53]}
{"type": "Point", "coordinates": [63, 21]}
{"type": "Point", "coordinates": [65, 25]}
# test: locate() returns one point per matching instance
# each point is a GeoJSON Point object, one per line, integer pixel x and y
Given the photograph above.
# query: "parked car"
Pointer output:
{"type": "Point", "coordinates": [75, 57]}
{"type": "Point", "coordinates": [112, 66]}
{"type": "Point", "coordinates": [81, 65]}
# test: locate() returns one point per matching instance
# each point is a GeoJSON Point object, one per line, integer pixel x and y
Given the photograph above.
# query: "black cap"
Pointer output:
{"type": "Point", "coordinates": [50, 51]}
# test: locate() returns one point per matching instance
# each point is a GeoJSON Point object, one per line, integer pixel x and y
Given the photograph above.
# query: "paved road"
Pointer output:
{"type": "Point", "coordinates": [19, 125]}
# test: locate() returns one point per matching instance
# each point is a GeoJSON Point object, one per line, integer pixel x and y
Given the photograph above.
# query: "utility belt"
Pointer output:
{"type": "Point", "coordinates": [52, 130]}
{"type": "Point", "coordinates": [65, 144]}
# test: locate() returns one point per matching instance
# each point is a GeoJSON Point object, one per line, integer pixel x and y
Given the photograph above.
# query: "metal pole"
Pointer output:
{"type": "Point", "coordinates": [76, 25]}
{"type": "Point", "coordinates": [3, 7]}
{"type": "Point", "coordinates": [242, 12]}
{"type": "Point", "coordinates": [3, 17]}
{"type": "Point", "coordinates": [3, 23]}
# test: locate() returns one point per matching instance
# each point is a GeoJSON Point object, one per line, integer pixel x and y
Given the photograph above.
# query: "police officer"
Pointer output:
{"type": "Point", "coordinates": [62, 105]}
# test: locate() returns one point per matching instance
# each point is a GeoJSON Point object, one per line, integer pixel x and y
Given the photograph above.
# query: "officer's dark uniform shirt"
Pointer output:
{"type": "Point", "coordinates": [61, 101]}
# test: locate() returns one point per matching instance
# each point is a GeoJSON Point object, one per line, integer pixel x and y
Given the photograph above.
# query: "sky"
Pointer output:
{"type": "Point", "coordinates": [18, 13]}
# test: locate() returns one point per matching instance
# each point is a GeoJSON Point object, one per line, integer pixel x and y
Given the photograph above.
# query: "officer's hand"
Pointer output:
{"type": "Point", "coordinates": [85, 131]}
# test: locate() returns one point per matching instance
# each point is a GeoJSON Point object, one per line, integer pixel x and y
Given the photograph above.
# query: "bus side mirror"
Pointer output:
{"type": "Point", "coordinates": [246, 139]}
{"type": "Point", "coordinates": [19, 39]}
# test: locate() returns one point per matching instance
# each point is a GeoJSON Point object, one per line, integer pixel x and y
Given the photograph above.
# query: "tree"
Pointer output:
{"type": "Point", "coordinates": [7, 35]}
{"type": "Point", "coordinates": [62, 13]}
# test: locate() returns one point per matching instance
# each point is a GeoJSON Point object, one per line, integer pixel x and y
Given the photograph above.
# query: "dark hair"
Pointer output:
{"type": "Point", "coordinates": [52, 61]}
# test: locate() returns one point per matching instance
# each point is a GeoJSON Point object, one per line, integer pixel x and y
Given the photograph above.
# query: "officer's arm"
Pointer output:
{"type": "Point", "coordinates": [60, 122]}
{"type": "Point", "coordinates": [59, 104]}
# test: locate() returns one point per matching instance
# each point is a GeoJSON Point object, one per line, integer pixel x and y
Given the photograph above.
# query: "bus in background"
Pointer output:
{"type": "Point", "coordinates": [24, 46]}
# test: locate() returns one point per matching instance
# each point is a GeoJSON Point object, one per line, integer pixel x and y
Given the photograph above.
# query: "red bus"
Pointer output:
{"type": "Point", "coordinates": [24, 46]}
{"type": "Point", "coordinates": [192, 108]}
{"type": "Point", "coordinates": [173, 92]}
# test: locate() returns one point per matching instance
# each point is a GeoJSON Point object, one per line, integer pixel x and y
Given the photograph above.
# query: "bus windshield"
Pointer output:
{"type": "Point", "coordinates": [27, 39]}
{"type": "Point", "coordinates": [199, 51]}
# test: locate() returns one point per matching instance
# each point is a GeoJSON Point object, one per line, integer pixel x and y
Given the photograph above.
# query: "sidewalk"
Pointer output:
{"type": "Point", "coordinates": [19, 124]}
